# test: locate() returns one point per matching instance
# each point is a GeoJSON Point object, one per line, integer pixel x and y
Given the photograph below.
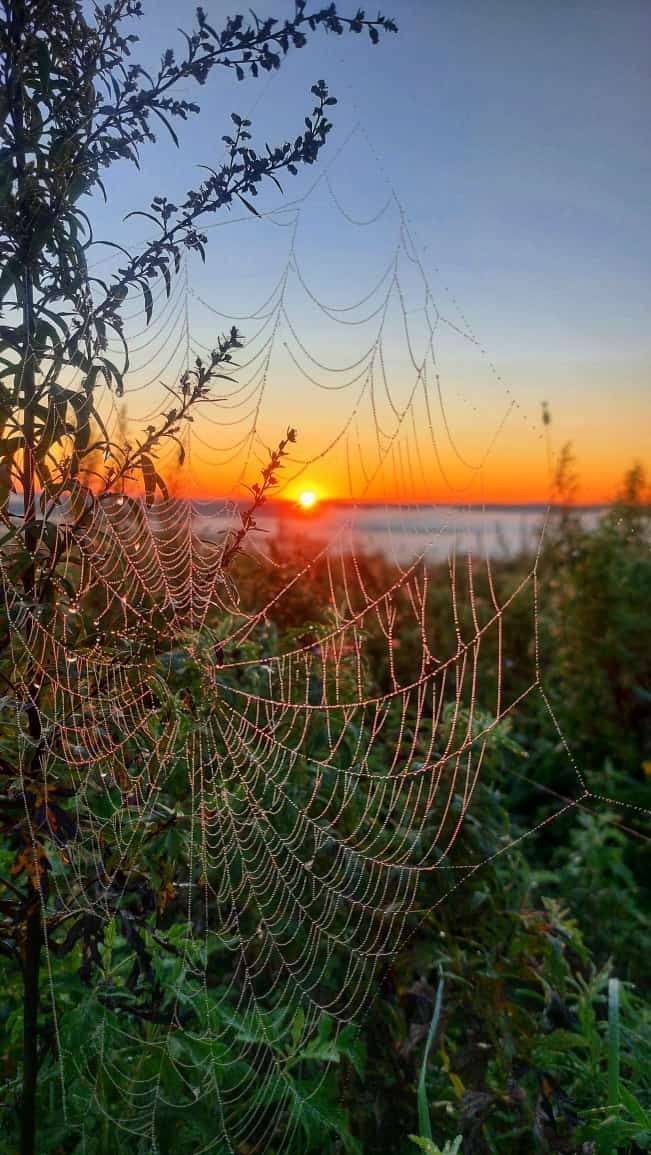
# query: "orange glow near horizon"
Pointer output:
{"type": "Point", "coordinates": [518, 471]}
{"type": "Point", "coordinates": [516, 483]}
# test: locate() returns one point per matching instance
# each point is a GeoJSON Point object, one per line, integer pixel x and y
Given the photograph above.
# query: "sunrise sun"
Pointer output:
{"type": "Point", "coordinates": [307, 499]}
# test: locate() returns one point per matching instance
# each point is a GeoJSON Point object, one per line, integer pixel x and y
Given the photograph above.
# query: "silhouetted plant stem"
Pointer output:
{"type": "Point", "coordinates": [31, 998]}
{"type": "Point", "coordinates": [31, 947]}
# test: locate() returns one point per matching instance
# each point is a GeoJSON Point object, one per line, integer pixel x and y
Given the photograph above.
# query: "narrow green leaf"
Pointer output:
{"type": "Point", "coordinates": [424, 1121]}
{"type": "Point", "coordinates": [613, 1043]}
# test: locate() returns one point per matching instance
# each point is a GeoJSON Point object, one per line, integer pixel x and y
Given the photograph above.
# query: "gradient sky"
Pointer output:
{"type": "Point", "coordinates": [517, 138]}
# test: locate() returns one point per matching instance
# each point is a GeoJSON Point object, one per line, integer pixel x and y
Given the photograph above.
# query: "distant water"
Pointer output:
{"type": "Point", "coordinates": [400, 533]}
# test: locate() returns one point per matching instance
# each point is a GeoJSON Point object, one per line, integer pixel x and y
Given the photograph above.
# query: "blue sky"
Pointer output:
{"type": "Point", "coordinates": [516, 136]}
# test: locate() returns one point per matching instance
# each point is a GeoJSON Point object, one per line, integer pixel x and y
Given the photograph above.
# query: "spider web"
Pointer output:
{"type": "Point", "coordinates": [305, 806]}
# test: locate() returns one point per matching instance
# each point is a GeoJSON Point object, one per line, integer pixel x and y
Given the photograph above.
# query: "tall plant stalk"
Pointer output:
{"type": "Point", "coordinates": [72, 105]}
{"type": "Point", "coordinates": [32, 928]}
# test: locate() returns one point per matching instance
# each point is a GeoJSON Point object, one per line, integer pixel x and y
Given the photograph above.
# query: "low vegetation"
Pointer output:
{"type": "Point", "coordinates": [515, 1017]}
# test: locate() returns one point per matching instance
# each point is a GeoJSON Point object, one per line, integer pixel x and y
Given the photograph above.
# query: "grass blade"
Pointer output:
{"type": "Point", "coordinates": [424, 1122]}
{"type": "Point", "coordinates": [614, 1096]}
